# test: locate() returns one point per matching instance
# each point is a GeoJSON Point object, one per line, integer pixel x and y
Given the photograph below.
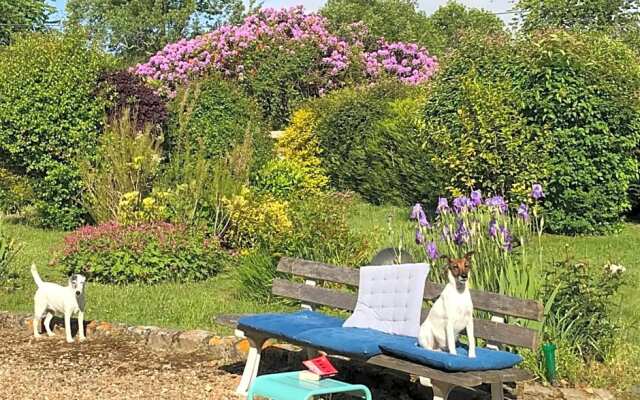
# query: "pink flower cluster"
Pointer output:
{"type": "Point", "coordinates": [231, 48]}
{"type": "Point", "coordinates": [407, 61]}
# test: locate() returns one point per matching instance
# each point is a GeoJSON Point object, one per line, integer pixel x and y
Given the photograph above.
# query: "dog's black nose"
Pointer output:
{"type": "Point", "coordinates": [77, 293]}
{"type": "Point", "coordinates": [463, 276]}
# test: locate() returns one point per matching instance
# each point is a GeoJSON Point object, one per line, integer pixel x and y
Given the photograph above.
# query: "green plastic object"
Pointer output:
{"type": "Point", "coordinates": [288, 386]}
{"type": "Point", "coordinates": [549, 351]}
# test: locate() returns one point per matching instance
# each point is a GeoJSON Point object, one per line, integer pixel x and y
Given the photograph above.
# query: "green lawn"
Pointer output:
{"type": "Point", "coordinates": [186, 306]}
{"type": "Point", "coordinates": [193, 305]}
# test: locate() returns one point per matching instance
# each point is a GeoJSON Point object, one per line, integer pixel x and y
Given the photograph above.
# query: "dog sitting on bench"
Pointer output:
{"type": "Point", "coordinates": [452, 312]}
{"type": "Point", "coordinates": [51, 298]}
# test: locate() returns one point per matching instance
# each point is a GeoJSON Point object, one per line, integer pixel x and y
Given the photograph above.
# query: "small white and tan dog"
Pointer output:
{"type": "Point", "coordinates": [452, 312]}
{"type": "Point", "coordinates": [51, 298]}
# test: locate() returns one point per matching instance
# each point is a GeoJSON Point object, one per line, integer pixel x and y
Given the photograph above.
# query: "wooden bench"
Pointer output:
{"type": "Point", "coordinates": [495, 331]}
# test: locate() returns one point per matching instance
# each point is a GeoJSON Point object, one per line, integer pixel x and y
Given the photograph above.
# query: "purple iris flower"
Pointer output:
{"type": "Point", "coordinates": [506, 238]}
{"type": "Point", "coordinates": [461, 235]}
{"type": "Point", "coordinates": [461, 204]}
{"type": "Point", "coordinates": [432, 251]}
{"type": "Point", "coordinates": [523, 212]}
{"type": "Point", "coordinates": [493, 228]}
{"type": "Point", "coordinates": [422, 219]}
{"type": "Point", "coordinates": [536, 191]}
{"type": "Point", "coordinates": [443, 205]}
{"type": "Point", "coordinates": [476, 198]}
{"type": "Point", "coordinates": [415, 211]}
{"type": "Point", "coordinates": [498, 203]}
{"type": "Point", "coordinates": [419, 237]}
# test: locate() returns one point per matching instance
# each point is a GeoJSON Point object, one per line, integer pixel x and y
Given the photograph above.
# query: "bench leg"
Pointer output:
{"type": "Point", "coordinates": [253, 363]}
{"type": "Point", "coordinates": [441, 390]}
{"type": "Point", "coordinates": [497, 392]}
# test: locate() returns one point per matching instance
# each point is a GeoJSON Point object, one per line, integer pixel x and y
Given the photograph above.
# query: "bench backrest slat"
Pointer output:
{"type": "Point", "coordinates": [491, 302]}
{"type": "Point", "coordinates": [492, 331]}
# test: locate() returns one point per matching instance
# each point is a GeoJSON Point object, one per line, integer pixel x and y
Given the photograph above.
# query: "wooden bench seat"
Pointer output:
{"type": "Point", "coordinates": [497, 331]}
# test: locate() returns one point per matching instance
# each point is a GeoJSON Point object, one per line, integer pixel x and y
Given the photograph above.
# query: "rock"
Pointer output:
{"type": "Point", "coordinates": [161, 339]}
{"type": "Point", "coordinates": [539, 392]}
{"type": "Point", "coordinates": [634, 391]}
{"type": "Point", "coordinates": [575, 394]}
{"type": "Point", "coordinates": [603, 394]}
{"type": "Point", "coordinates": [189, 341]}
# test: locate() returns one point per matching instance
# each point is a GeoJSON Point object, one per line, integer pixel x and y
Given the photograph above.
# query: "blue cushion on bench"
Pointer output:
{"type": "Point", "coordinates": [485, 359]}
{"type": "Point", "coordinates": [288, 325]}
{"type": "Point", "coordinates": [353, 342]}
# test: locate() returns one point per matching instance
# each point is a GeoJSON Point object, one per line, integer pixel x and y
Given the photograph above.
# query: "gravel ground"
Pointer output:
{"type": "Point", "coordinates": [105, 368]}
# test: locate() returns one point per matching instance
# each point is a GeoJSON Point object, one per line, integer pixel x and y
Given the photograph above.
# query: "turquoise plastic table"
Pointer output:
{"type": "Point", "coordinates": [287, 386]}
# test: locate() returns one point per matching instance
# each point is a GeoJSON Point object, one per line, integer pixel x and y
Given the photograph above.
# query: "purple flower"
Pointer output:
{"type": "Point", "coordinates": [419, 237]}
{"type": "Point", "coordinates": [498, 203]}
{"type": "Point", "coordinates": [506, 238]}
{"type": "Point", "coordinates": [443, 205]}
{"type": "Point", "coordinates": [493, 228]}
{"type": "Point", "coordinates": [415, 211]}
{"type": "Point", "coordinates": [461, 235]}
{"type": "Point", "coordinates": [476, 198]}
{"type": "Point", "coordinates": [461, 204]}
{"type": "Point", "coordinates": [422, 219]}
{"type": "Point", "coordinates": [432, 251]}
{"type": "Point", "coordinates": [536, 191]}
{"type": "Point", "coordinates": [523, 212]}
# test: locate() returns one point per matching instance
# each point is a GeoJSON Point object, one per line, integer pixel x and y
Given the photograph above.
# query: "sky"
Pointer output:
{"type": "Point", "coordinates": [429, 6]}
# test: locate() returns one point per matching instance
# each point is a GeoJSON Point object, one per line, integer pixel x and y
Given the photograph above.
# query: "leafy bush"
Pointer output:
{"type": "Point", "coordinates": [217, 116]}
{"type": "Point", "coordinates": [281, 57]}
{"type": "Point", "coordinates": [316, 229]}
{"type": "Point", "coordinates": [147, 253]}
{"type": "Point", "coordinates": [16, 192]}
{"type": "Point", "coordinates": [584, 90]}
{"type": "Point", "coordinates": [556, 107]}
{"type": "Point", "coordinates": [299, 144]}
{"type": "Point", "coordinates": [369, 139]}
{"type": "Point", "coordinates": [256, 221]}
{"type": "Point", "coordinates": [49, 117]}
{"type": "Point", "coordinates": [129, 92]}
{"type": "Point", "coordinates": [126, 163]}
{"type": "Point", "coordinates": [284, 178]}
{"type": "Point", "coordinates": [579, 310]}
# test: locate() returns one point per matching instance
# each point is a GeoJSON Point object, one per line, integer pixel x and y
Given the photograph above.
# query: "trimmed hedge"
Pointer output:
{"type": "Point", "coordinates": [370, 139]}
{"type": "Point", "coordinates": [556, 108]}
{"type": "Point", "coordinates": [49, 116]}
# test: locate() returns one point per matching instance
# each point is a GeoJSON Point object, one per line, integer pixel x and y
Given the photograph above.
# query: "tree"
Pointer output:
{"type": "Point", "coordinates": [453, 19]}
{"type": "Point", "coordinates": [395, 20]}
{"type": "Point", "coordinates": [21, 16]}
{"type": "Point", "coordinates": [400, 20]}
{"type": "Point", "coordinates": [137, 28]}
{"type": "Point", "coordinates": [579, 14]}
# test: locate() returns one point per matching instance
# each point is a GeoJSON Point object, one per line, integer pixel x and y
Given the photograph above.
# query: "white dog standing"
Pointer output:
{"type": "Point", "coordinates": [51, 298]}
{"type": "Point", "coordinates": [452, 312]}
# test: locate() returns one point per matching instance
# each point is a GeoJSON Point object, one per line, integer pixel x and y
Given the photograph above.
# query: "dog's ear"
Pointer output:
{"type": "Point", "coordinates": [469, 255]}
{"type": "Point", "coordinates": [446, 257]}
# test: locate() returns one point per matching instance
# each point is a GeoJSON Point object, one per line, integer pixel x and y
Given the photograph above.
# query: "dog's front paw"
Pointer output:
{"type": "Point", "coordinates": [69, 340]}
{"type": "Point", "coordinates": [83, 338]}
{"type": "Point", "coordinates": [50, 334]}
{"type": "Point", "coordinates": [472, 354]}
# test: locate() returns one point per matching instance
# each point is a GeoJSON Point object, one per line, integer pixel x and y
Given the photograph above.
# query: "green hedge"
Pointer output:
{"type": "Point", "coordinates": [215, 116]}
{"type": "Point", "coordinates": [49, 116]}
{"type": "Point", "coordinates": [557, 108]}
{"type": "Point", "coordinates": [370, 139]}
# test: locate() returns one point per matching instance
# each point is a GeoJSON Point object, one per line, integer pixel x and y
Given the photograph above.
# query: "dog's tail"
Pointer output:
{"type": "Point", "coordinates": [36, 276]}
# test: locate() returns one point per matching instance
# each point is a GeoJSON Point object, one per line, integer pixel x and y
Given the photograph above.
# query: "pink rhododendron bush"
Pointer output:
{"type": "Point", "coordinates": [285, 53]}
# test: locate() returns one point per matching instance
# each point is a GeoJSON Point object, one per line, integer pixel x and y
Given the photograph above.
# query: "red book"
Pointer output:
{"type": "Point", "coordinates": [320, 366]}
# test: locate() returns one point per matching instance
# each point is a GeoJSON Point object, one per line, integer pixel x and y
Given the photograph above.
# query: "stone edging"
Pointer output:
{"type": "Point", "coordinates": [227, 348]}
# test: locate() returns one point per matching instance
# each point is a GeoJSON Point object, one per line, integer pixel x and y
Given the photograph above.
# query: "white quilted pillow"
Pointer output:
{"type": "Point", "coordinates": [390, 299]}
